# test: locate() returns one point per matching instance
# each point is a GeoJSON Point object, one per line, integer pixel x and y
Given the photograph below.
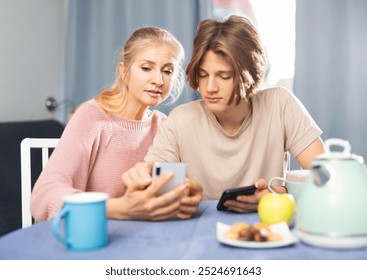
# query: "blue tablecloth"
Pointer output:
{"type": "Point", "coordinates": [168, 240]}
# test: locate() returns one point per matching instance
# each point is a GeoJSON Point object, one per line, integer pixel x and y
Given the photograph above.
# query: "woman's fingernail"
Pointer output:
{"type": "Point", "coordinates": [147, 180]}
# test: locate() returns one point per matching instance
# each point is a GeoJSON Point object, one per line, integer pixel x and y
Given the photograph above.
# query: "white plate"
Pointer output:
{"type": "Point", "coordinates": [281, 228]}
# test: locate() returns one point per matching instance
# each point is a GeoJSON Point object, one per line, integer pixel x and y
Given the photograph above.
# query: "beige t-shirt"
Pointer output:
{"type": "Point", "coordinates": [277, 123]}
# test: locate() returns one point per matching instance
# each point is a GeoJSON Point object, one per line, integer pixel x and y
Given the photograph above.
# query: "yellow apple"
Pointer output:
{"type": "Point", "coordinates": [275, 208]}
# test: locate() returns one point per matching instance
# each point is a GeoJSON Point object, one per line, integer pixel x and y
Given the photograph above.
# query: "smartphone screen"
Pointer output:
{"type": "Point", "coordinates": [231, 194]}
{"type": "Point", "coordinates": [179, 174]}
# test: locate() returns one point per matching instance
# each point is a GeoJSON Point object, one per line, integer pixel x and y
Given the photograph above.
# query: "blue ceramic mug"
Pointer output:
{"type": "Point", "coordinates": [85, 221]}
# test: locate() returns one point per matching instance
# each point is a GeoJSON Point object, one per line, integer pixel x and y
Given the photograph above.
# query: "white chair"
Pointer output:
{"type": "Point", "coordinates": [26, 170]}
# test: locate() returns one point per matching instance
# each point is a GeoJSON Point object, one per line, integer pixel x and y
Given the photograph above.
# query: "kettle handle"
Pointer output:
{"type": "Point", "coordinates": [338, 142]}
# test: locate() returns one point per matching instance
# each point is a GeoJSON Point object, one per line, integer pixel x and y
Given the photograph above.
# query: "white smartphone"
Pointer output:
{"type": "Point", "coordinates": [179, 174]}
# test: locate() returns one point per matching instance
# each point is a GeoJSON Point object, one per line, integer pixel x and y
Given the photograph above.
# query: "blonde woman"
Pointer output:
{"type": "Point", "coordinates": [110, 133]}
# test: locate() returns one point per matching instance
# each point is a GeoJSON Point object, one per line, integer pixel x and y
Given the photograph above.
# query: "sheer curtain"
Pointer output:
{"type": "Point", "coordinates": [97, 29]}
{"type": "Point", "coordinates": [331, 58]}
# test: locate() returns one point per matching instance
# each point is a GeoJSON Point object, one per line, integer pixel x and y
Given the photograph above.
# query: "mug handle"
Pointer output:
{"type": "Point", "coordinates": [56, 222]}
{"type": "Point", "coordinates": [275, 179]}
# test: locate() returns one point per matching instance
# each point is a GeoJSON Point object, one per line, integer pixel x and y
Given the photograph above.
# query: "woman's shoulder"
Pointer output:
{"type": "Point", "coordinates": [86, 114]}
{"type": "Point", "coordinates": [89, 107]}
{"type": "Point", "coordinates": [157, 114]}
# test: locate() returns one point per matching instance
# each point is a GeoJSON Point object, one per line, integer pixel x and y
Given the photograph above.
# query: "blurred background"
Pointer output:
{"type": "Point", "coordinates": [66, 50]}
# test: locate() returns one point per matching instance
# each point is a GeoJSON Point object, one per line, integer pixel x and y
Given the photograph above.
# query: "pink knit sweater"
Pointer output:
{"type": "Point", "coordinates": [94, 151]}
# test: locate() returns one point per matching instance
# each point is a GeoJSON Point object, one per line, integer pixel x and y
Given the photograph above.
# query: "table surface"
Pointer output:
{"type": "Point", "coordinates": [193, 239]}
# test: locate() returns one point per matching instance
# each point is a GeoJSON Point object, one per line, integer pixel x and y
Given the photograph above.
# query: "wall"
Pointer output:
{"type": "Point", "coordinates": [31, 57]}
{"type": "Point", "coordinates": [330, 76]}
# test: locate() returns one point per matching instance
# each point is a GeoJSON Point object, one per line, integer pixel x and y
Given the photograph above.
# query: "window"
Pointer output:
{"type": "Point", "coordinates": [275, 22]}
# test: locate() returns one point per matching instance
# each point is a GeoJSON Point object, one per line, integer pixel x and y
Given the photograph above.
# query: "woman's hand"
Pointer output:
{"type": "Point", "coordinates": [140, 200]}
{"type": "Point", "coordinates": [249, 203]}
{"type": "Point", "coordinates": [191, 200]}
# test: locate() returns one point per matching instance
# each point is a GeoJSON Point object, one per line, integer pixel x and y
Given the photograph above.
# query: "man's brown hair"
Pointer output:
{"type": "Point", "coordinates": [238, 42]}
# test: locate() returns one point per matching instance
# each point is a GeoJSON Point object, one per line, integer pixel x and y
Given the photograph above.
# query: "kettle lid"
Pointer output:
{"type": "Point", "coordinates": [345, 154]}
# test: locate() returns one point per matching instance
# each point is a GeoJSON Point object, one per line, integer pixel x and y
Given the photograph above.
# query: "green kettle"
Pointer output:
{"type": "Point", "coordinates": [332, 211]}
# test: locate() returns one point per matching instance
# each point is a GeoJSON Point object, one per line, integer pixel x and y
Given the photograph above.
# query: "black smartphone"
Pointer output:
{"type": "Point", "coordinates": [231, 194]}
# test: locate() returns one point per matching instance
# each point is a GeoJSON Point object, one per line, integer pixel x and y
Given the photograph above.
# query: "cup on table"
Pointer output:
{"type": "Point", "coordinates": [85, 221]}
{"type": "Point", "coordinates": [294, 181]}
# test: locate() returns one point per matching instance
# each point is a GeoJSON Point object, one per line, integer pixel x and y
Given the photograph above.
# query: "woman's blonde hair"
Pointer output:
{"type": "Point", "coordinates": [238, 42]}
{"type": "Point", "coordinates": [111, 100]}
